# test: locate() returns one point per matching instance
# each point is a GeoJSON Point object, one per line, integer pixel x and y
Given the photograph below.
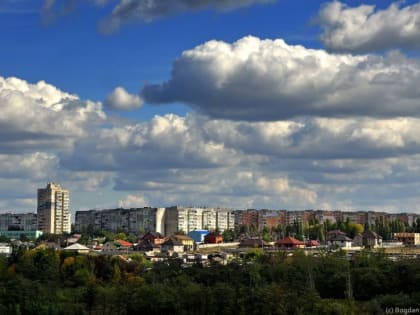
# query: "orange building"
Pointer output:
{"type": "Point", "coordinates": [213, 238]}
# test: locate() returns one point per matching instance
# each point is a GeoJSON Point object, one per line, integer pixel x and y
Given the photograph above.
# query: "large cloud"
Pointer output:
{"type": "Point", "coordinates": [40, 116]}
{"type": "Point", "coordinates": [195, 142]}
{"type": "Point", "coordinates": [319, 138]}
{"type": "Point", "coordinates": [254, 79]}
{"type": "Point", "coordinates": [38, 122]}
{"type": "Point", "coordinates": [296, 163]}
{"type": "Point", "coordinates": [129, 11]}
{"type": "Point", "coordinates": [364, 28]}
{"type": "Point", "coordinates": [305, 162]}
{"type": "Point", "coordinates": [168, 141]}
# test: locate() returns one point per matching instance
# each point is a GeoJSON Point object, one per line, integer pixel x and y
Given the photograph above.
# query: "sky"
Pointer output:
{"type": "Point", "coordinates": [278, 104]}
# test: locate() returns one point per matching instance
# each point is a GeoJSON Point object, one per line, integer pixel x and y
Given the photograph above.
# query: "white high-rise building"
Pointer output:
{"type": "Point", "coordinates": [53, 209]}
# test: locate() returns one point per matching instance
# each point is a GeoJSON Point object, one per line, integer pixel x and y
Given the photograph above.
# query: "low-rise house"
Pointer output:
{"type": "Point", "coordinates": [312, 243]}
{"type": "Point", "coordinates": [371, 239]}
{"type": "Point", "coordinates": [172, 246]}
{"type": "Point", "coordinates": [219, 258]}
{"type": "Point", "coordinates": [185, 240]}
{"type": "Point", "coordinates": [97, 247]}
{"type": "Point", "coordinates": [78, 248]}
{"type": "Point", "coordinates": [154, 257]}
{"type": "Point", "coordinates": [144, 246]}
{"type": "Point", "coordinates": [153, 238]}
{"type": "Point", "coordinates": [253, 243]}
{"type": "Point", "coordinates": [213, 238]}
{"type": "Point", "coordinates": [147, 246]}
{"type": "Point", "coordinates": [338, 238]}
{"type": "Point", "coordinates": [5, 249]}
{"type": "Point", "coordinates": [290, 242]}
{"type": "Point", "coordinates": [123, 244]}
{"type": "Point", "coordinates": [408, 239]}
{"type": "Point", "coordinates": [198, 235]}
{"type": "Point", "coordinates": [117, 246]}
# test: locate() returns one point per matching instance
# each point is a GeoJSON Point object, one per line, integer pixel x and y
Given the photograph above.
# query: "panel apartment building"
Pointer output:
{"type": "Point", "coordinates": [14, 225]}
{"type": "Point", "coordinates": [18, 222]}
{"type": "Point", "coordinates": [172, 220]}
{"type": "Point", "coordinates": [53, 209]}
{"type": "Point", "coordinates": [187, 219]}
{"type": "Point", "coordinates": [166, 221]}
{"type": "Point", "coordinates": [134, 220]}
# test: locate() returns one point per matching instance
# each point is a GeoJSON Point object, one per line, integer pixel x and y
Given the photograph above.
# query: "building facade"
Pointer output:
{"type": "Point", "coordinates": [53, 209]}
{"type": "Point", "coordinates": [192, 218]}
{"type": "Point", "coordinates": [18, 222]}
{"type": "Point", "coordinates": [134, 220]}
{"type": "Point", "coordinates": [166, 221]}
{"type": "Point", "coordinates": [408, 239]}
{"type": "Point", "coordinates": [172, 220]}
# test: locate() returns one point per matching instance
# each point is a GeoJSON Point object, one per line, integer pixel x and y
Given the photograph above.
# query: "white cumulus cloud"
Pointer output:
{"type": "Point", "coordinates": [366, 28]}
{"type": "Point", "coordinates": [35, 116]}
{"type": "Point", "coordinates": [255, 79]}
{"type": "Point", "coordinates": [120, 99]}
{"type": "Point", "coordinates": [300, 162]}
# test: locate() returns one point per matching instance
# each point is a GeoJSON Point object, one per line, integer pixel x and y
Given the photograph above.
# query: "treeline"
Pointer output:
{"type": "Point", "coordinates": [43, 281]}
{"type": "Point", "coordinates": [315, 230]}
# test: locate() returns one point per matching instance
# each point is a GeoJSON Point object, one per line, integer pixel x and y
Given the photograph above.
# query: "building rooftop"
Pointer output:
{"type": "Point", "coordinates": [289, 241]}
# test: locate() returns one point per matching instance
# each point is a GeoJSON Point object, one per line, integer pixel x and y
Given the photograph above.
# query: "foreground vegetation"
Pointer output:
{"type": "Point", "coordinates": [43, 281]}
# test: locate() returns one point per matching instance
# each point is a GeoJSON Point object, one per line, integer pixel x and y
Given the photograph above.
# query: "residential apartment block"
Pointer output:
{"type": "Point", "coordinates": [192, 218]}
{"type": "Point", "coordinates": [134, 220]}
{"type": "Point", "coordinates": [53, 209]}
{"type": "Point", "coordinates": [18, 222]}
{"type": "Point", "coordinates": [408, 239]}
{"type": "Point", "coordinates": [174, 219]}
{"type": "Point", "coordinates": [166, 221]}
{"type": "Point", "coordinates": [225, 220]}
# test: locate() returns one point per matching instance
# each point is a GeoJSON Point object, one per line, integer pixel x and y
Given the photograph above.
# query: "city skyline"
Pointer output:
{"type": "Point", "coordinates": [236, 104]}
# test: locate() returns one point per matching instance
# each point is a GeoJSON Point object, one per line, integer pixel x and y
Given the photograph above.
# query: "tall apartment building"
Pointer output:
{"type": "Point", "coordinates": [212, 219]}
{"type": "Point", "coordinates": [209, 219]}
{"type": "Point", "coordinates": [132, 220]}
{"type": "Point", "coordinates": [248, 217]}
{"type": "Point", "coordinates": [271, 219]}
{"type": "Point", "coordinates": [53, 209]}
{"type": "Point", "coordinates": [18, 222]}
{"type": "Point", "coordinates": [166, 221]}
{"type": "Point", "coordinates": [225, 220]}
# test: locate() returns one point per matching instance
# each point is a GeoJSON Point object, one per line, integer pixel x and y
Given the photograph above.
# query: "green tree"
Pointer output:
{"type": "Point", "coordinates": [228, 235]}
{"type": "Point", "coordinates": [4, 239]}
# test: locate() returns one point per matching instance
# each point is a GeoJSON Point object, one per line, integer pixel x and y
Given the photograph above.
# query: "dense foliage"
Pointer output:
{"type": "Point", "coordinates": [41, 281]}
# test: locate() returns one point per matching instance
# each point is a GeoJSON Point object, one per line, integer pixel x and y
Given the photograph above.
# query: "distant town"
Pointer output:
{"type": "Point", "coordinates": [195, 260]}
{"type": "Point", "coordinates": [162, 229]}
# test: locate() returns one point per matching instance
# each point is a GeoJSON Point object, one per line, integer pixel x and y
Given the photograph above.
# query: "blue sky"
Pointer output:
{"type": "Point", "coordinates": [71, 54]}
{"type": "Point", "coordinates": [206, 114]}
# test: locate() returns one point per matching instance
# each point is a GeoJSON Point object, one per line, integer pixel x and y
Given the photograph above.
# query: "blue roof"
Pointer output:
{"type": "Point", "coordinates": [199, 231]}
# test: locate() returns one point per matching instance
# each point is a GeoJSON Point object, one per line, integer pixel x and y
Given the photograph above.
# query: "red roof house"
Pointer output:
{"type": "Point", "coordinates": [312, 243]}
{"type": "Point", "coordinates": [123, 243]}
{"type": "Point", "coordinates": [290, 242]}
{"type": "Point", "coordinates": [213, 238]}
